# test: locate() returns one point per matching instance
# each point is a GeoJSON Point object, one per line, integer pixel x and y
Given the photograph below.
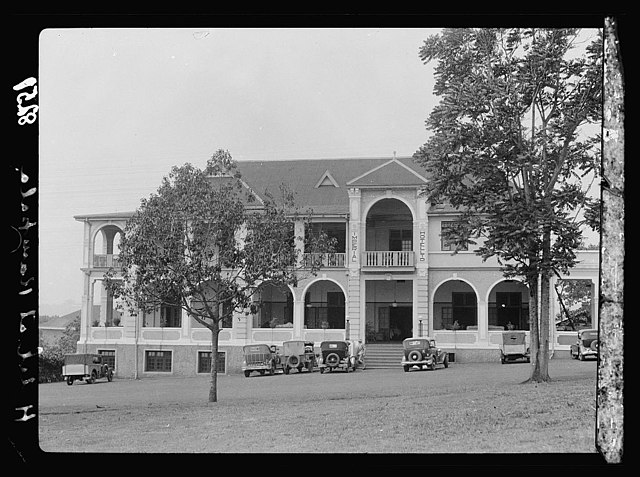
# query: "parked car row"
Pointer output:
{"type": "Point", "coordinates": [347, 355]}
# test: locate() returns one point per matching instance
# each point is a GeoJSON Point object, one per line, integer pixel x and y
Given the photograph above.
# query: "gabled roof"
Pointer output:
{"type": "Point", "coordinates": [392, 173]}
{"type": "Point", "coordinates": [318, 184]}
{"type": "Point", "coordinates": [303, 176]}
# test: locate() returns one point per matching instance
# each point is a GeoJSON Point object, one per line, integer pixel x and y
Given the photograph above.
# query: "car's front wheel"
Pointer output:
{"type": "Point", "coordinates": [109, 375]}
{"type": "Point", "coordinates": [446, 361]}
{"type": "Point", "coordinates": [247, 373]}
{"type": "Point", "coordinates": [406, 368]}
{"type": "Point", "coordinates": [69, 380]}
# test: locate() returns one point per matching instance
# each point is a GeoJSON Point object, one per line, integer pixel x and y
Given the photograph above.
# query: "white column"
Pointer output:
{"type": "Point", "coordinates": [421, 283]}
{"type": "Point", "coordinates": [354, 248]}
{"type": "Point", "coordinates": [483, 322]}
{"type": "Point", "coordinates": [85, 311]}
{"type": "Point", "coordinates": [298, 318]}
{"type": "Point", "coordinates": [185, 321]}
{"type": "Point", "coordinates": [103, 304]}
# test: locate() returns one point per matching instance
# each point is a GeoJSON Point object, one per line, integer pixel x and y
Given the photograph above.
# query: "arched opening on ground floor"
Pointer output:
{"type": "Point", "coordinates": [324, 306]}
{"type": "Point", "coordinates": [275, 307]}
{"type": "Point", "coordinates": [455, 306]}
{"type": "Point", "coordinates": [509, 306]}
{"type": "Point", "coordinates": [388, 310]}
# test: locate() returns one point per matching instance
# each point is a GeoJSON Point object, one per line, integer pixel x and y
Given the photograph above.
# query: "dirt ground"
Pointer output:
{"type": "Point", "coordinates": [465, 409]}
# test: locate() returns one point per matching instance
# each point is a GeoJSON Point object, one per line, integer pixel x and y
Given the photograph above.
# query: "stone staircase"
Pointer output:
{"type": "Point", "coordinates": [383, 355]}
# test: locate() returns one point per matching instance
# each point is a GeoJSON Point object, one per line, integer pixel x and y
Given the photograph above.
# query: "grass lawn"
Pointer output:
{"type": "Point", "coordinates": [374, 411]}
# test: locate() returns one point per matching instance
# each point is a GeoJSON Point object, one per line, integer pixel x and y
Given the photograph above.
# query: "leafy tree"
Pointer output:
{"type": "Point", "coordinates": [68, 342]}
{"type": "Point", "coordinates": [51, 359]}
{"type": "Point", "coordinates": [204, 242]}
{"type": "Point", "coordinates": [510, 150]}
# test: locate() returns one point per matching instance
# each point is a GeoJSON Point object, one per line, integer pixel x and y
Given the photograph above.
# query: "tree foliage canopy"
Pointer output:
{"type": "Point", "coordinates": [508, 144]}
{"type": "Point", "coordinates": [511, 151]}
{"type": "Point", "coordinates": [205, 242]}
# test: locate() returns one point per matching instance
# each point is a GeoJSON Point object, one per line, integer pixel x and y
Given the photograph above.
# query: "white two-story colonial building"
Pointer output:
{"type": "Point", "coordinates": [392, 277]}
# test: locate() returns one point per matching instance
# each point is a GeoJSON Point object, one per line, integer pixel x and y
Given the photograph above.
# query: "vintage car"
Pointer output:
{"type": "Point", "coordinates": [514, 347]}
{"type": "Point", "coordinates": [336, 355]}
{"type": "Point", "coordinates": [586, 345]}
{"type": "Point", "coordinates": [422, 352]}
{"type": "Point", "coordinates": [261, 358]}
{"type": "Point", "coordinates": [298, 354]}
{"type": "Point", "coordinates": [87, 367]}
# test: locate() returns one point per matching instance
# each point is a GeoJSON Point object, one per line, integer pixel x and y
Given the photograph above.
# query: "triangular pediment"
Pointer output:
{"type": "Point", "coordinates": [391, 173]}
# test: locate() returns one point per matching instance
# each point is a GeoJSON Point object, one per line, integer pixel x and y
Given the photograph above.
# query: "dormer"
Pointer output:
{"type": "Point", "coordinates": [327, 180]}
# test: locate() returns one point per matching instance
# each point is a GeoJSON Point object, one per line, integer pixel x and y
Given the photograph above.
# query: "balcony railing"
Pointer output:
{"type": "Point", "coordinates": [328, 260]}
{"type": "Point", "coordinates": [106, 261]}
{"type": "Point", "coordinates": [388, 259]}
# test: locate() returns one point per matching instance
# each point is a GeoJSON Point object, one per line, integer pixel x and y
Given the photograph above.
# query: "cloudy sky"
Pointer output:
{"type": "Point", "coordinates": [119, 108]}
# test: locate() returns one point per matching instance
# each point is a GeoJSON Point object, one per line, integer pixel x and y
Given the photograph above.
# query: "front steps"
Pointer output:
{"type": "Point", "coordinates": [383, 355]}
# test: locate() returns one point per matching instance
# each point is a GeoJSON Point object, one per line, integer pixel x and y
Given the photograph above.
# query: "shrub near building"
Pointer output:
{"type": "Point", "coordinates": [51, 358]}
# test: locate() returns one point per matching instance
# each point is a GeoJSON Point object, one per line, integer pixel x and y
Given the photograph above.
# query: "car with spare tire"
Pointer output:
{"type": "Point", "coordinates": [299, 355]}
{"type": "Point", "coordinates": [586, 346]}
{"type": "Point", "coordinates": [422, 353]}
{"type": "Point", "coordinates": [336, 355]}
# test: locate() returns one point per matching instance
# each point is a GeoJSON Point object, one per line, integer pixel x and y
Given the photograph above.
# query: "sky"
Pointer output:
{"type": "Point", "coordinates": [120, 107]}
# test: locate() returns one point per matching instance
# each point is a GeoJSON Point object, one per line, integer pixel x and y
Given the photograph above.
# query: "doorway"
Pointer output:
{"type": "Point", "coordinates": [400, 323]}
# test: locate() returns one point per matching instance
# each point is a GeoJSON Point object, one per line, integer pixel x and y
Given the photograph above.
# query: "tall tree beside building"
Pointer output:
{"type": "Point", "coordinates": [204, 242]}
{"type": "Point", "coordinates": [510, 148]}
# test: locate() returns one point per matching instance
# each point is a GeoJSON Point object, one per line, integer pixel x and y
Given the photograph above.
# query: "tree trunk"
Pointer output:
{"type": "Point", "coordinates": [543, 353]}
{"type": "Point", "coordinates": [213, 390]}
{"type": "Point", "coordinates": [534, 335]}
{"type": "Point", "coordinates": [540, 372]}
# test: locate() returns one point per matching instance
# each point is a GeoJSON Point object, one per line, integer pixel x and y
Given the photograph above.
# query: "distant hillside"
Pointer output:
{"type": "Point", "coordinates": [60, 321]}
{"type": "Point", "coordinates": [59, 309]}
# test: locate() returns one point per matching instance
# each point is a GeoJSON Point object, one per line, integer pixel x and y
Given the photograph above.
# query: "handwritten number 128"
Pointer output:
{"type": "Point", "coordinates": [27, 114]}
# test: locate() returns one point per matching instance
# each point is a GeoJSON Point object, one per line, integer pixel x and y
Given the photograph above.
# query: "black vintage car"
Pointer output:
{"type": "Point", "coordinates": [586, 345]}
{"type": "Point", "coordinates": [261, 358]}
{"type": "Point", "coordinates": [336, 355]}
{"type": "Point", "coordinates": [421, 353]}
{"type": "Point", "coordinates": [298, 354]}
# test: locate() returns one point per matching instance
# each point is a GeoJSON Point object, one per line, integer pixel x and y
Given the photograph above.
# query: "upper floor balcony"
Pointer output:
{"type": "Point", "coordinates": [106, 260]}
{"type": "Point", "coordinates": [400, 260]}
{"type": "Point", "coordinates": [326, 260]}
